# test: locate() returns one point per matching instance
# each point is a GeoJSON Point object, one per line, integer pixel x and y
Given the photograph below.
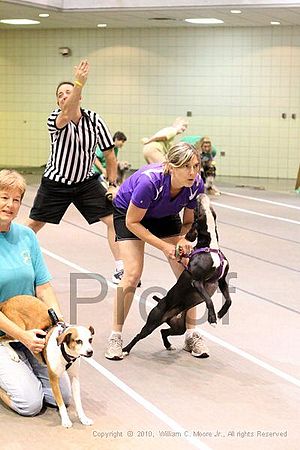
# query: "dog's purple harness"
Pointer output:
{"type": "Point", "coordinates": [218, 272]}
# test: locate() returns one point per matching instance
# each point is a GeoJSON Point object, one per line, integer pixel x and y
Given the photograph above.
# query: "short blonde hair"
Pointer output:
{"type": "Point", "coordinates": [11, 179]}
{"type": "Point", "coordinates": [180, 154]}
{"type": "Point", "coordinates": [200, 143]}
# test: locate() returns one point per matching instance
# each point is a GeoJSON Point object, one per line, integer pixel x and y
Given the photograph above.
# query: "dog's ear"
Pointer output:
{"type": "Point", "coordinates": [192, 234]}
{"type": "Point", "coordinates": [92, 330]}
{"type": "Point", "coordinates": [64, 337]}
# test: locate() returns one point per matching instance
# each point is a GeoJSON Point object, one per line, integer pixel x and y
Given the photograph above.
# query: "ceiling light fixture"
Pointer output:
{"type": "Point", "coordinates": [102, 25]}
{"type": "Point", "coordinates": [274, 22]}
{"type": "Point", "coordinates": [204, 21]}
{"type": "Point", "coordinates": [44, 15]}
{"type": "Point", "coordinates": [161, 18]}
{"type": "Point", "coordinates": [20, 21]}
{"type": "Point", "coordinates": [235, 11]}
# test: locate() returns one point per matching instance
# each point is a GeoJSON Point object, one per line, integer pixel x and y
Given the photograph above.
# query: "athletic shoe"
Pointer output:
{"type": "Point", "coordinates": [196, 346]}
{"type": "Point", "coordinates": [114, 348]}
{"type": "Point", "coordinates": [117, 276]}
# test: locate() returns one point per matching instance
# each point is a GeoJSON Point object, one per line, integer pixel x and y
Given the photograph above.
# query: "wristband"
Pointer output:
{"type": "Point", "coordinates": [77, 83]}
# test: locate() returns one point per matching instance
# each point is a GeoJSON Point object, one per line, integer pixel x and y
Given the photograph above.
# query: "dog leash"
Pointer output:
{"type": "Point", "coordinates": [180, 255]}
{"type": "Point", "coordinates": [54, 323]}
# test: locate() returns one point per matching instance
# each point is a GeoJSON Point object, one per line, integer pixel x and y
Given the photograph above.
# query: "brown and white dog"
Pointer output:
{"type": "Point", "coordinates": [64, 346]}
{"type": "Point", "coordinates": [122, 168]}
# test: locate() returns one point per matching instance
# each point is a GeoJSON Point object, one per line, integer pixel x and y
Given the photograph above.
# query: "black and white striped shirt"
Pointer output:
{"type": "Point", "coordinates": [73, 147]}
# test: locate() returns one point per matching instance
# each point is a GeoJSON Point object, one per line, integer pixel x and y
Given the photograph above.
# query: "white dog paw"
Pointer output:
{"type": "Point", "coordinates": [67, 423]}
{"type": "Point", "coordinates": [171, 348]}
{"type": "Point", "coordinates": [214, 324]}
{"type": "Point", "coordinates": [86, 421]}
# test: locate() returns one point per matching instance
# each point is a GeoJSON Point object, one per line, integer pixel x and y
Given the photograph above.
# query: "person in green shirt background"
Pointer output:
{"type": "Point", "coordinates": [99, 165]}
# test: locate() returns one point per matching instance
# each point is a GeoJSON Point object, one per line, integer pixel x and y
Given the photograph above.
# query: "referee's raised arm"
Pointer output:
{"type": "Point", "coordinates": [68, 95]}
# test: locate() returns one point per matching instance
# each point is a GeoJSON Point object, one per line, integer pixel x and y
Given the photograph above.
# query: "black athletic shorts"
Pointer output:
{"type": "Point", "coordinates": [53, 199]}
{"type": "Point", "coordinates": [162, 227]}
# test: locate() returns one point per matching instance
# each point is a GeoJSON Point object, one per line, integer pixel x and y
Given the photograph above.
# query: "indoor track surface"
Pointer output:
{"type": "Point", "coordinates": [245, 395]}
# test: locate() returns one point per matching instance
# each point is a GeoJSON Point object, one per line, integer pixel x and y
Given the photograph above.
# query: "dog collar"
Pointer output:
{"type": "Point", "coordinates": [69, 358]}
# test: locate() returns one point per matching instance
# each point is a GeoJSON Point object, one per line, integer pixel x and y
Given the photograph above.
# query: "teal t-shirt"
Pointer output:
{"type": "Point", "coordinates": [22, 265]}
{"type": "Point", "coordinates": [193, 139]}
{"type": "Point", "coordinates": [99, 154]}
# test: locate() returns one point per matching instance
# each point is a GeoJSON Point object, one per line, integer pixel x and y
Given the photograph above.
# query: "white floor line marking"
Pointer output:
{"type": "Point", "coordinates": [248, 211]}
{"type": "Point", "coordinates": [119, 383]}
{"type": "Point", "coordinates": [256, 199]}
{"type": "Point", "coordinates": [147, 405]}
{"type": "Point", "coordinates": [253, 359]}
{"type": "Point", "coordinates": [72, 265]}
{"type": "Point", "coordinates": [227, 345]}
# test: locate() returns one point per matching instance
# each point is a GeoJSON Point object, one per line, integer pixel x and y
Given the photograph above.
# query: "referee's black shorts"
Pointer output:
{"type": "Point", "coordinates": [53, 199]}
{"type": "Point", "coordinates": [162, 227]}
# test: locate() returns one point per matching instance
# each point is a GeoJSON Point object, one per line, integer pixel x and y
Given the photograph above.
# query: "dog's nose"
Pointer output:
{"type": "Point", "coordinates": [89, 353]}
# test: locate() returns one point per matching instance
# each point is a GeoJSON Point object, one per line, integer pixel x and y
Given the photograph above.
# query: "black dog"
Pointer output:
{"type": "Point", "coordinates": [207, 264]}
{"type": "Point", "coordinates": [207, 269]}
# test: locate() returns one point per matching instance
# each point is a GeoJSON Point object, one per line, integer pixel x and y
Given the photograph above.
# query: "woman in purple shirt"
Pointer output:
{"type": "Point", "coordinates": [146, 209]}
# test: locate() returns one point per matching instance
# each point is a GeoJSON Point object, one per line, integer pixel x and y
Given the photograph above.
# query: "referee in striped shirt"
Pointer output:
{"type": "Point", "coordinates": [68, 178]}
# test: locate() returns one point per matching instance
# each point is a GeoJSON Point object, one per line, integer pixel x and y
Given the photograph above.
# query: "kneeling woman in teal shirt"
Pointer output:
{"type": "Point", "coordinates": [24, 385]}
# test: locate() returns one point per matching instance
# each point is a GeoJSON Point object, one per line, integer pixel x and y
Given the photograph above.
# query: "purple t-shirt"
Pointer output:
{"type": "Point", "coordinates": [149, 188]}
